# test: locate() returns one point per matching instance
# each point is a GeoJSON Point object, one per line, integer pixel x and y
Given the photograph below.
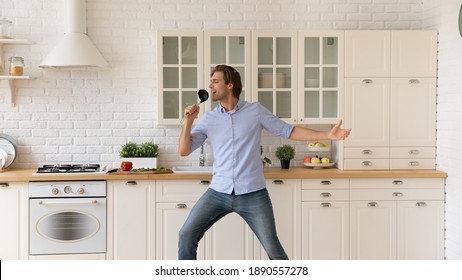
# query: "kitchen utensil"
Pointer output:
{"type": "Point", "coordinates": [8, 144]}
{"type": "Point", "coordinates": [203, 96]}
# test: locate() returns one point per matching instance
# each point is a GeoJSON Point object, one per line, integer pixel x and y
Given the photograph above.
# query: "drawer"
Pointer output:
{"type": "Point", "coordinates": [418, 163]}
{"type": "Point", "coordinates": [366, 164]}
{"type": "Point", "coordinates": [420, 183]}
{"type": "Point", "coordinates": [397, 194]}
{"type": "Point", "coordinates": [325, 195]}
{"type": "Point", "coordinates": [366, 153]}
{"type": "Point", "coordinates": [412, 152]}
{"type": "Point", "coordinates": [325, 183]}
{"type": "Point", "coordinates": [180, 190]}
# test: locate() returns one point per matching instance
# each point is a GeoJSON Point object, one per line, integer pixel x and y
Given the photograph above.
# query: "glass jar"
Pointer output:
{"type": "Point", "coordinates": [6, 27]}
{"type": "Point", "coordinates": [16, 66]}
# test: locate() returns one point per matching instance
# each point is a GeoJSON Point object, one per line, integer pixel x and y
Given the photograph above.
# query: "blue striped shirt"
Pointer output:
{"type": "Point", "coordinates": [235, 138]}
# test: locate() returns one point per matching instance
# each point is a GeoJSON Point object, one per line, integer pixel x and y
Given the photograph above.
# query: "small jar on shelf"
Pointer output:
{"type": "Point", "coordinates": [6, 28]}
{"type": "Point", "coordinates": [16, 66]}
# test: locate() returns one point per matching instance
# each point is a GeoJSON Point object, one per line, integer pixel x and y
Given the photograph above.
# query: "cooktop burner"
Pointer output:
{"type": "Point", "coordinates": [69, 168]}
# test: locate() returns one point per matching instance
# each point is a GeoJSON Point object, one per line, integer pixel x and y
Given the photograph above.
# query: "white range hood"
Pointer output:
{"type": "Point", "coordinates": [75, 49]}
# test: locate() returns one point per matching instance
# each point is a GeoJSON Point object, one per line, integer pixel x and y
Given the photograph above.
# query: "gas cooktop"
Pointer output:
{"type": "Point", "coordinates": [84, 168]}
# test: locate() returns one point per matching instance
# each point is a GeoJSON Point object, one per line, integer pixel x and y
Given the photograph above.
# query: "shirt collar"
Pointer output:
{"type": "Point", "coordinates": [239, 105]}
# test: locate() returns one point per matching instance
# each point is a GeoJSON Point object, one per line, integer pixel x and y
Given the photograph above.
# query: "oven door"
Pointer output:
{"type": "Point", "coordinates": [67, 225]}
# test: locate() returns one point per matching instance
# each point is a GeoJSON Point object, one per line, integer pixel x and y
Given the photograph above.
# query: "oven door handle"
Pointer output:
{"type": "Point", "coordinates": [67, 202]}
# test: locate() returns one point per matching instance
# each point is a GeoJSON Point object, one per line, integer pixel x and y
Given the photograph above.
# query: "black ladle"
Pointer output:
{"type": "Point", "coordinates": [203, 96]}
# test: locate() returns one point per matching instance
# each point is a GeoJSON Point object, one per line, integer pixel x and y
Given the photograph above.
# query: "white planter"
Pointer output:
{"type": "Point", "coordinates": [142, 162]}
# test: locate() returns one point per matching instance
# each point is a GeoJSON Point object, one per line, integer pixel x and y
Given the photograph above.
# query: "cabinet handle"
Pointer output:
{"type": "Point", "coordinates": [421, 204]}
{"type": "Point", "coordinates": [326, 182]}
{"type": "Point", "coordinates": [131, 183]}
{"type": "Point", "coordinates": [367, 81]}
{"type": "Point", "coordinates": [366, 163]}
{"type": "Point", "coordinates": [366, 152]}
{"type": "Point", "coordinates": [414, 152]}
{"type": "Point", "coordinates": [278, 182]}
{"type": "Point", "coordinates": [205, 182]}
{"type": "Point", "coordinates": [326, 204]}
{"type": "Point", "coordinates": [413, 163]}
{"type": "Point", "coordinates": [414, 81]}
{"type": "Point", "coordinates": [372, 204]}
{"type": "Point", "coordinates": [397, 182]}
{"type": "Point", "coordinates": [4, 185]}
{"type": "Point", "coordinates": [325, 194]}
{"type": "Point", "coordinates": [181, 206]}
{"type": "Point", "coordinates": [397, 194]}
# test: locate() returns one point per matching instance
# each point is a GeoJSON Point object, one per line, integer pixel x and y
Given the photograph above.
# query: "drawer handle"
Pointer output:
{"type": "Point", "coordinates": [366, 152]}
{"type": "Point", "coordinates": [366, 163]}
{"type": "Point", "coordinates": [397, 194]}
{"type": "Point", "coordinates": [372, 204]}
{"type": "Point", "coordinates": [181, 206]}
{"type": "Point", "coordinates": [414, 152]}
{"type": "Point", "coordinates": [4, 185]}
{"type": "Point", "coordinates": [421, 204]}
{"type": "Point", "coordinates": [413, 163]}
{"type": "Point", "coordinates": [326, 182]}
{"type": "Point", "coordinates": [367, 81]}
{"type": "Point", "coordinates": [205, 182]}
{"type": "Point", "coordinates": [325, 194]}
{"type": "Point", "coordinates": [278, 182]}
{"type": "Point", "coordinates": [414, 81]}
{"type": "Point", "coordinates": [397, 182]}
{"type": "Point", "coordinates": [131, 183]}
{"type": "Point", "coordinates": [326, 204]}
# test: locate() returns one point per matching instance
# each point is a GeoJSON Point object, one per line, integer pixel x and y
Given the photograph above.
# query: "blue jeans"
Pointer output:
{"type": "Point", "coordinates": [255, 208]}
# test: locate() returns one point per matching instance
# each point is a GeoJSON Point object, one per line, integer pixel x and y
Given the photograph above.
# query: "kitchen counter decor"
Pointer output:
{"type": "Point", "coordinates": [285, 153]}
{"type": "Point", "coordinates": [141, 155]}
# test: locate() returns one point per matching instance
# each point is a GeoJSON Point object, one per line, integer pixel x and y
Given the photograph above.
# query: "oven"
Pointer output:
{"type": "Point", "coordinates": [67, 218]}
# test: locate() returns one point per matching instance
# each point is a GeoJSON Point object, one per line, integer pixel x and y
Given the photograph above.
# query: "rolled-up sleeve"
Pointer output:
{"type": "Point", "coordinates": [199, 134]}
{"type": "Point", "coordinates": [273, 124]}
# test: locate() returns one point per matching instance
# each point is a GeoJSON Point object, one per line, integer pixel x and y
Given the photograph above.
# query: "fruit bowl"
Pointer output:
{"type": "Point", "coordinates": [319, 165]}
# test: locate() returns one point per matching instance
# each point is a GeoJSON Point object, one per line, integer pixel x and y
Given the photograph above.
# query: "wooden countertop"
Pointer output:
{"type": "Point", "coordinates": [25, 175]}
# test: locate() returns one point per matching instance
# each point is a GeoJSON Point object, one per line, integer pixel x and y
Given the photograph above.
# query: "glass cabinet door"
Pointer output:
{"type": "Point", "coordinates": [320, 77]}
{"type": "Point", "coordinates": [180, 73]}
{"type": "Point", "coordinates": [274, 72]}
{"type": "Point", "coordinates": [230, 47]}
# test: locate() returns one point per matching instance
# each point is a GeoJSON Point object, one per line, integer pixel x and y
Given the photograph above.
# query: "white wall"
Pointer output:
{"type": "Point", "coordinates": [443, 16]}
{"type": "Point", "coordinates": [84, 116]}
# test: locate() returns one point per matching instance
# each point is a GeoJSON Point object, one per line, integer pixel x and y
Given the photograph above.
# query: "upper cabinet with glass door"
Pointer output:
{"type": "Point", "coordinates": [274, 72]}
{"type": "Point", "coordinates": [320, 79]}
{"type": "Point", "coordinates": [180, 60]}
{"type": "Point", "coordinates": [230, 47]}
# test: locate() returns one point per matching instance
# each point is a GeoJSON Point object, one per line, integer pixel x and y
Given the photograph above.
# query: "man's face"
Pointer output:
{"type": "Point", "coordinates": [218, 88]}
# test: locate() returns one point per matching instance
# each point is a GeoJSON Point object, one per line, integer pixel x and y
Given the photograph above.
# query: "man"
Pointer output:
{"type": "Point", "coordinates": [233, 130]}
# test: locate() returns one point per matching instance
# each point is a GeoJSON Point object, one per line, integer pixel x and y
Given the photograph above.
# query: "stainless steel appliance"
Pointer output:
{"type": "Point", "coordinates": [84, 168]}
{"type": "Point", "coordinates": [67, 217]}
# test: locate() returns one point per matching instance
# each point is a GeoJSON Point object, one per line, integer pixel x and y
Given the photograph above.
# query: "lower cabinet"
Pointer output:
{"type": "Point", "coordinates": [131, 219]}
{"type": "Point", "coordinates": [14, 222]}
{"type": "Point", "coordinates": [325, 219]}
{"type": "Point", "coordinates": [397, 219]}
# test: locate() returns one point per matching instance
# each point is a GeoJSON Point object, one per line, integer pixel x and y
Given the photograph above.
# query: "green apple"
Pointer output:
{"type": "Point", "coordinates": [315, 160]}
{"type": "Point", "coordinates": [319, 144]}
{"type": "Point", "coordinates": [311, 144]}
{"type": "Point", "coordinates": [325, 160]}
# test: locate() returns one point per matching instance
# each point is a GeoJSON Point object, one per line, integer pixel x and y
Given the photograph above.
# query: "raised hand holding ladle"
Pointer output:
{"type": "Point", "coordinates": [203, 96]}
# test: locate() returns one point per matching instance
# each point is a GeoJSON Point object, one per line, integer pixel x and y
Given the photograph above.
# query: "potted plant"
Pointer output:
{"type": "Point", "coordinates": [285, 153]}
{"type": "Point", "coordinates": [141, 155]}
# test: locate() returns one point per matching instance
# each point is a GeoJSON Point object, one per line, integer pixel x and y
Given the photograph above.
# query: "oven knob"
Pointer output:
{"type": "Point", "coordinates": [67, 189]}
{"type": "Point", "coordinates": [81, 191]}
{"type": "Point", "coordinates": [55, 191]}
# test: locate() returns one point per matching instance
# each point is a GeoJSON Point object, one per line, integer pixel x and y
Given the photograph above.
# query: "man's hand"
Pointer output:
{"type": "Point", "coordinates": [337, 133]}
{"type": "Point", "coordinates": [191, 112]}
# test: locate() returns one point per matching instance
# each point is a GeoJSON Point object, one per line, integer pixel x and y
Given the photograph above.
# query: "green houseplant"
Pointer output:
{"type": "Point", "coordinates": [141, 155]}
{"type": "Point", "coordinates": [285, 153]}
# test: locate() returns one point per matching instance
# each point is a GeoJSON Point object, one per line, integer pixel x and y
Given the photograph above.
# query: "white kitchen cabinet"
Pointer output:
{"type": "Point", "coordinates": [397, 218]}
{"type": "Point", "coordinates": [320, 76]}
{"type": "Point", "coordinates": [14, 221]}
{"type": "Point", "coordinates": [275, 72]}
{"type": "Point", "coordinates": [131, 224]}
{"type": "Point", "coordinates": [229, 47]}
{"type": "Point", "coordinates": [394, 106]}
{"type": "Point", "coordinates": [285, 198]}
{"type": "Point", "coordinates": [180, 72]}
{"type": "Point", "coordinates": [325, 219]}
